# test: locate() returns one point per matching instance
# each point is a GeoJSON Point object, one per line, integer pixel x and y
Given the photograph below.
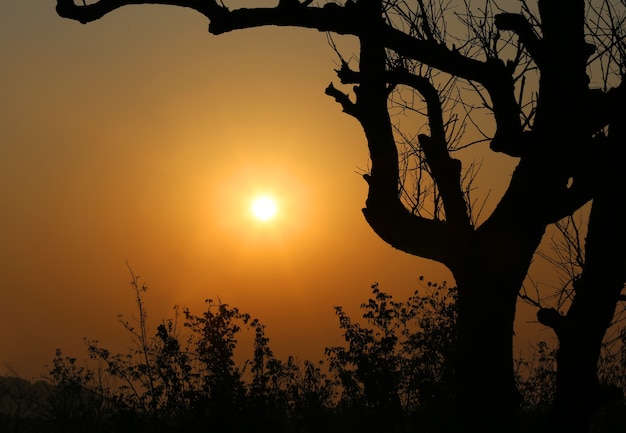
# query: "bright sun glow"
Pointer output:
{"type": "Point", "coordinates": [264, 208]}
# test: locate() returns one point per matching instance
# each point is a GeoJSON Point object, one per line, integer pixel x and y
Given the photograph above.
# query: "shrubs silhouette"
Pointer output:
{"type": "Point", "coordinates": [187, 377]}
{"type": "Point", "coordinates": [397, 371]}
{"type": "Point", "coordinates": [394, 373]}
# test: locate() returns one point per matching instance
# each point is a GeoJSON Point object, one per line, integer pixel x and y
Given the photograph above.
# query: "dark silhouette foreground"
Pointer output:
{"type": "Point", "coordinates": [393, 374]}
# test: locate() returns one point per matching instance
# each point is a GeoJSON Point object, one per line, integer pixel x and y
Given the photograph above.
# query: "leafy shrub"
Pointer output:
{"type": "Point", "coordinates": [398, 370]}
{"type": "Point", "coordinates": [394, 373]}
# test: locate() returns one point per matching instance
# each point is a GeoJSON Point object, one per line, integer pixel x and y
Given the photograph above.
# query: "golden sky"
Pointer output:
{"type": "Point", "coordinates": [141, 137]}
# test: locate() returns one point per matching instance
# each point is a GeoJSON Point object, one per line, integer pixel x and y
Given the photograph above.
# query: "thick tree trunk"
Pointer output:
{"type": "Point", "coordinates": [578, 390]}
{"type": "Point", "coordinates": [486, 393]}
{"type": "Point", "coordinates": [488, 284]}
{"type": "Point", "coordinates": [581, 331]}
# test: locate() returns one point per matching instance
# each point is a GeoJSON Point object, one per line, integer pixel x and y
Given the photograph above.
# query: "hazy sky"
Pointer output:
{"type": "Point", "coordinates": [141, 137]}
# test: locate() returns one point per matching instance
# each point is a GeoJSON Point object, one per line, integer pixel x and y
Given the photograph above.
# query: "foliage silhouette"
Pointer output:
{"type": "Point", "coordinates": [394, 373]}
{"type": "Point", "coordinates": [398, 370]}
{"type": "Point", "coordinates": [188, 377]}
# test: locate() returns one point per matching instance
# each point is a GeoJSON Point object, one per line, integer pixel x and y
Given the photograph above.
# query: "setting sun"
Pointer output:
{"type": "Point", "coordinates": [264, 208]}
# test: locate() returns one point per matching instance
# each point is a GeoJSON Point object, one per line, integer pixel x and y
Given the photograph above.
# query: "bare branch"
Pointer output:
{"type": "Point", "coordinates": [384, 210]}
{"type": "Point", "coordinates": [91, 12]}
{"type": "Point", "coordinates": [551, 318]}
{"type": "Point", "coordinates": [344, 100]}
{"type": "Point", "coordinates": [518, 24]}
{"type": "Point", "coordinates": [445, 170]}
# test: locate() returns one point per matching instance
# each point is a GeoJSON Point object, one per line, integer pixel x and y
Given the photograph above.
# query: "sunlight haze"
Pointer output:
{"type": "Point", "coordinates": [143, 138]}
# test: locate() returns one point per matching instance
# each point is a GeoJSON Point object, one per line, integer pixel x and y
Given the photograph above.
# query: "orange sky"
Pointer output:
{"type": "Point", "coordinates": [143, 138]}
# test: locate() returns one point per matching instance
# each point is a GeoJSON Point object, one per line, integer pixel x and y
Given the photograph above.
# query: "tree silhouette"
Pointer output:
{"type": "Point", "coordinates": [529, 68]}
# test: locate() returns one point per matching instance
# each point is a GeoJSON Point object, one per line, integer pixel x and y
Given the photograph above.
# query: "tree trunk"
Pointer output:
{"type": "Point", "coordinates": [486, 393]}
{"type": "Point", "coordinates": [488, 284]}
{"type": "Point", "coordinates": [581, 331]}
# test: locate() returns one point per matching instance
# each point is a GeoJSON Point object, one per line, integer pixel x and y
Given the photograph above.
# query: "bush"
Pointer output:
{"type": "Point", "coordinates": [394, 373]}
{"type": "Point", "coordinates": [397, 372]}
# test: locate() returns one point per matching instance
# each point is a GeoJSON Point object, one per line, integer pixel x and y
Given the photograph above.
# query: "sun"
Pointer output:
{"type": "Point", "coordinates": [264, 208]}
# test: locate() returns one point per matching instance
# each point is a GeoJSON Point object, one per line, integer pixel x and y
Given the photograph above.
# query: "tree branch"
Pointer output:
{"type": "Point", "coordinates": [551, 318]}
{"type": "Point", "coordinates": [601, 107]}
{"type": "Point", "coordinates": [385, 213]}
{"type": "Point", "coordinates": [445, 170]}
{"type": "Point", "coordinates": [331, 17]}
{"type": "Point", "coordinates": [349, 19]}
{"type": "Point", "coordinates": [518, 24]}
{"type": "Point", "coordinates": [86, 13]}
{"type": "Point", "coordinates": [348, 106]}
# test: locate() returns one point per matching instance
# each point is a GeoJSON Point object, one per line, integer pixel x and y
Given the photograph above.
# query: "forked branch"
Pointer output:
{"type": "Point", "coordinates": [445, 170]}
{"type": "Point", "coordinates": [438, 240]}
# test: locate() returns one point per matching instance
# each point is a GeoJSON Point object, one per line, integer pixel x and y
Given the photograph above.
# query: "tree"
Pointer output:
{"type": "Point", "coordinates": [569, 254]}
{"type": "Point", "coordinates": [530, 69]}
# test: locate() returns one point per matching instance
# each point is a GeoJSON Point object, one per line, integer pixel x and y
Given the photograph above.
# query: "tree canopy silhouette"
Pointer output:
{"type": "Point", "coordinates": [529, 65]}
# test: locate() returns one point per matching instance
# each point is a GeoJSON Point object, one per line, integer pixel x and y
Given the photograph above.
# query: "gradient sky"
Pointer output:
{"type": "Point", "coordinates": [141, 137]}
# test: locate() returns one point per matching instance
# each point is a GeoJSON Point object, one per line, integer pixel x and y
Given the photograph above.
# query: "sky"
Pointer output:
{"type": "Point", "coordinates": [141, 139]}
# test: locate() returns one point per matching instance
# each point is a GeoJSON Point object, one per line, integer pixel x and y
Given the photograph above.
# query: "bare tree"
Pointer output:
{"type": "Point", "coordinates": [523, 78]}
